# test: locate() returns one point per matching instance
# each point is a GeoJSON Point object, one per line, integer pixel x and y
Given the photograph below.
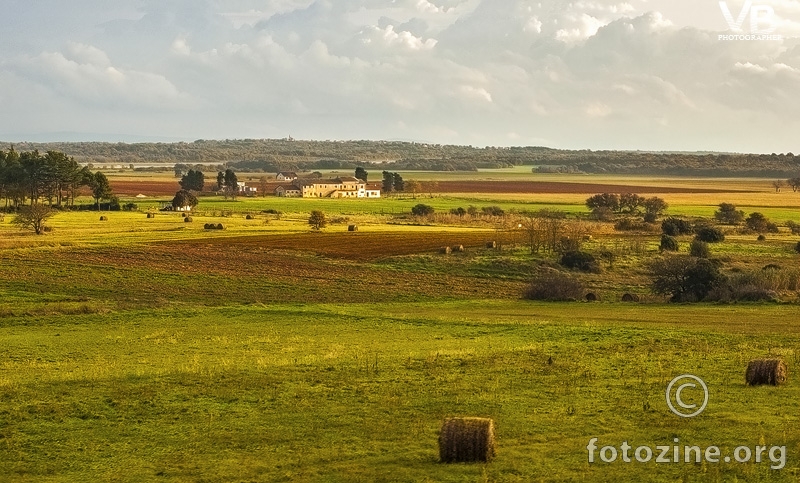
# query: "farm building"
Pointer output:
{"type": "Point", "coordinates": [286, 176]}
{"type": "Point", "coordinates": [288, 191]}
{"type": "Point", "coordinates": [342, 187]}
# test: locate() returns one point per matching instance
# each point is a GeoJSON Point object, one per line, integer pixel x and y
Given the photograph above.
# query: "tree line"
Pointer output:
{"type": "Point", "coordinates": [30, 178]}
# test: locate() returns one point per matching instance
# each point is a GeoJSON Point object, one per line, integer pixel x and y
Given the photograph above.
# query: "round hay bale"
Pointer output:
{"type": "Point", "coordinates": [352, 228]}
{"type": "Point", "coordinates": [184, 215]}
{"type": "Point", "coordinates": [220, 227]}
{"type": "Point", "coordinates": [491, 244]}
{"type": "Point", "coordinates": [103, 218]}
{"type": "Point", "coordinates": [587, 238]}
{"type": "Point", "coordinates": [465, 440]}
{"type": "Point", "coordinates": [249, 217]}
{"type": "Point", "coordinates": [151, 215]}
{"type": "Point", "coordinates": [766, 371]}
{"type": "Point", "coordinates": [591, 297]}
{"type": "Point", "coordinates": [630, 297]}
{"type": "Point", "coordinates": [188, 219]}
{"type": "Point", "coordinates": [458, 248]}
{"type": "Point", "coordinates": [208, 226]}
{"type": "Point", "coordinates": [447, 250]}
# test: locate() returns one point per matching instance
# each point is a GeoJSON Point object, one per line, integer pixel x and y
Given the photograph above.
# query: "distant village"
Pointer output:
{"type": "Point", "coordinates": [291, 186]}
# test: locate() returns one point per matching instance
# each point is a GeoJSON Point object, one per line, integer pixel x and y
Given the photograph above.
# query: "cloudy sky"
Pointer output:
{"type": "Point", "coordinates": [640, 74]}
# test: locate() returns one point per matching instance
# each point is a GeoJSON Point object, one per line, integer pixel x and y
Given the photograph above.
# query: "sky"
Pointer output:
{"type": "Point", "coordinates": [639, 74]}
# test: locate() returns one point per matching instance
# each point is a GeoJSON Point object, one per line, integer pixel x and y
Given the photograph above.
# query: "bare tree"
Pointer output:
{"type": "Point", "coordinates": [33, 217]}
{"type": "Point", "coordinates": [778, 184]}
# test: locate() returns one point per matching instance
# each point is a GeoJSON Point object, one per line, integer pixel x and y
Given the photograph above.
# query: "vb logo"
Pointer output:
{"type": "Point", "coordinates": [760, 16]}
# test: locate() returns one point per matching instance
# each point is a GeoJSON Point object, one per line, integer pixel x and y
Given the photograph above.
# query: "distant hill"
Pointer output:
{"type": "Point", "coordinates": [289, 154]}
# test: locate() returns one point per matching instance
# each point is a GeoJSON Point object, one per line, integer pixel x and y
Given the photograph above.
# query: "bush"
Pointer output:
{"type": "Point", "coordinates": [686, 279]}
{"type": "Point", "coordinates": [675, 226]}
{"type": "Point", "coordinates": [761, 237]}
{"type": "Point", "coordinates": [668, 244]}
{"type": "Point", "coordinates": [650, 218]}
{"type": "Point", "coordinates": [422, 210]}
{"type": "Point", "coordinates": [699, 249]}
{"type": "Point", "coordinates": [493, 211]}
{"type": "Point", "coordinates": [580, 260]}
{"type": "Point", "coordinates": [555, 287]}
{"type": "Point", "coordinates": [728, 214]}
{"type": "Point", "coordinates": [130, 207]}
{"type": "Point", "coordinates": [458, 211]}
{"type": "Point", "coordinates": [759, 223]}
{"type": "Point", "coordinates": [628, 224]}
{"type": "Point", "coordinates": [795, 227]}
{"type": "Point", "coordinates": [602, 213]}
{"type": "Point", "coordinates": [710, 235]}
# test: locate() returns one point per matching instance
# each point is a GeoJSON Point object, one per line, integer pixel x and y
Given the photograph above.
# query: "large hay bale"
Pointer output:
{"type": "Point", "coordinates": [249, 217]}
{"type": "Point", "coordinates": [151, 215]}
{"type": "Point", "coordinates": [446, 250]}
{"type": "Point", "coordinates": [630, 297]}
{"type": "Point", "coordinates": [458, 248]}
{"type": "Point", "coordinates": [184, 215]}
{"type": "Point", "coordinates": [491, 244]}
{"type": "Point", "coordinates": [220, 226]}
{"type": "Point", "coordinates": [591, 297]}
{"type": "Point", "coordinates": [465, 440]}
{"type": "Point", "coordinates": [188, 219]}
{"type": "Point", "coordinates": [103, 218]}
{"type": "Point", "coordinates": [766, 371]}
{"type": "Point", "coordinates": [352, 228]}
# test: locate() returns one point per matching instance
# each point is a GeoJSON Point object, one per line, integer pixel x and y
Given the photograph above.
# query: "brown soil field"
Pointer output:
{"type": "Point", "coordinates": [352, 246]}
{"type": "Point", "coordinates": [164, 188]}
{"type": "Point", "coordinates": [534, 187]}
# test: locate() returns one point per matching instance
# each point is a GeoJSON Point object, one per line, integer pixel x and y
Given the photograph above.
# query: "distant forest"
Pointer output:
{"type": "Point", "coordinates": [272, 155]}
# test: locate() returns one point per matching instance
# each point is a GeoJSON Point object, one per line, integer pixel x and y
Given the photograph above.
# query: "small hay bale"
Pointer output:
{"type": "Point", "coordinates": [352, 228]}
{"type": "Point", "coordinates": [249, 217]}
{"type": "Point", "coordinates": [587, 238]}
{"type": "Point", "coordinates": [466, 440]}
{"type": "Point", "coordinates": [220, 227]}
{"type": "Point", "coordinates": [188, 219]}
{"type": "Point", "coordinates": [103, 218]}
{"type": "Point", "coordinates": [766, 371]}
{"type": "Point", "coordinates": [630, 297]}
{"type": "Point", "coordinates": [208, 226]}
{"type": "Point", "coordinates": [446, 250]}
{"type": "Point", "coordinates": [491, 244]}
{"type": "Point", "coordinates": [591, 297]}
{"type": "Point", "coordinates": [184, 215]}
{"type": "Point", "coordinates": [151, 215]}
{"type": "Point", "coordinates": [458, 248]}
{"type": "Point", "coordinates": [761, 237]}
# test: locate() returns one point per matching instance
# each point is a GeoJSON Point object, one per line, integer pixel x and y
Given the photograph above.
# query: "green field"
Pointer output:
{"type": "Point", "coordinates": [139, 349]}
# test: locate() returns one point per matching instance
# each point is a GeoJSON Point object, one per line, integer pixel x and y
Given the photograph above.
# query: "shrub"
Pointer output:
{"type": "Point", "coordinates": [422, 210]}
{"type": "Point", "coordinates": [493, 211]}
{"type": "Point", "coordinates": [699, 249]}
{"type": "Point", "coordinates": [668, 244]}
{"type": "Point", "coordinates": [650, 218]}
{"type": "Point", "coordinates": [130, 207]}
{"type": "Point", "coordinates": [761, 237]}
{"type": "Point", "coordinates": [555, 286]}
{"type": "Point", "coordinates": [602, 213]}
{"type": "Point", "coordinates": [629, 224]}
{"type": "Point", "coordinates": [759, 223]}
{"type": "Point", "coordinates": [317, 220]}
{"type": "Point", "coordinates": [675, 226]}
{"type": "Point", "coordinates": [580, 260]}
{"type": "Point", "coordinates": [728, 214]}
{"type": "Point", "coordinates": [685, 279]}
{"type": "Point", "coordinates": [710, 235]}
{"type": "Point", "coordinates": [458, 211]}
{"type": "Point", "coordinates": [795, 227]}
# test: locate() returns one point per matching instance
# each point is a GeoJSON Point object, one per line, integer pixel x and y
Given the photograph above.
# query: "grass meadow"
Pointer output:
{"type": "Point", "coordinates": [150, 349]}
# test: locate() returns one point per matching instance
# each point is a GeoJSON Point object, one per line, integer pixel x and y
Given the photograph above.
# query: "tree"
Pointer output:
{"type": "Point", "coordinates": [230, 183]}
{"type": "Point", "coordinates": [794, 183]}
{"type": "Point", "coordinates": [33, 217]}
{"type": "Point", "coordinates": [413, 186]}
{"type": "Point", "coordinates": [699, 249]}
{"type": "Point", "coordinates": [630, 202]}
{"type": "Point", "coordinates": [609, 201]}
{"type": "Point", "coordinates": [361, 174]}
{"type": "Point", "coordinates": [675, 226]}
{"type": "Point", "coordinates": [728, 214]}
{"type": "Point", "coordinates": [397, 182]}
{"type": "Point", "coordinates": [777, 184]}
{"type": "Point", "coordinates": [388, 182]}
{"type": "Point", "coordinates": [183, 199]}
{"type": "Point", "coordinates": [193, 180]}
{"type": "Point", "coordinates": [654, 206]}
{"type": "Point", "coordinates": [422, 210]}
{"type": "Point", "coordinates": [263, 185]}
{"type": "Point", "coordinates": [685, 279]}
{"type": "Point", "coordinates": [101, 188]}
{"type": "Point", "coordinates": [668, 244]}
{"type": "Point", "coordinates": [220, 180]}
{"type": "Point", "coordinates": [317, 220]}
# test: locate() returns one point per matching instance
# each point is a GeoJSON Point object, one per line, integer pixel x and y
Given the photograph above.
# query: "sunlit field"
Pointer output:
{"type": "Point", "coordinates": [142, 349]}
